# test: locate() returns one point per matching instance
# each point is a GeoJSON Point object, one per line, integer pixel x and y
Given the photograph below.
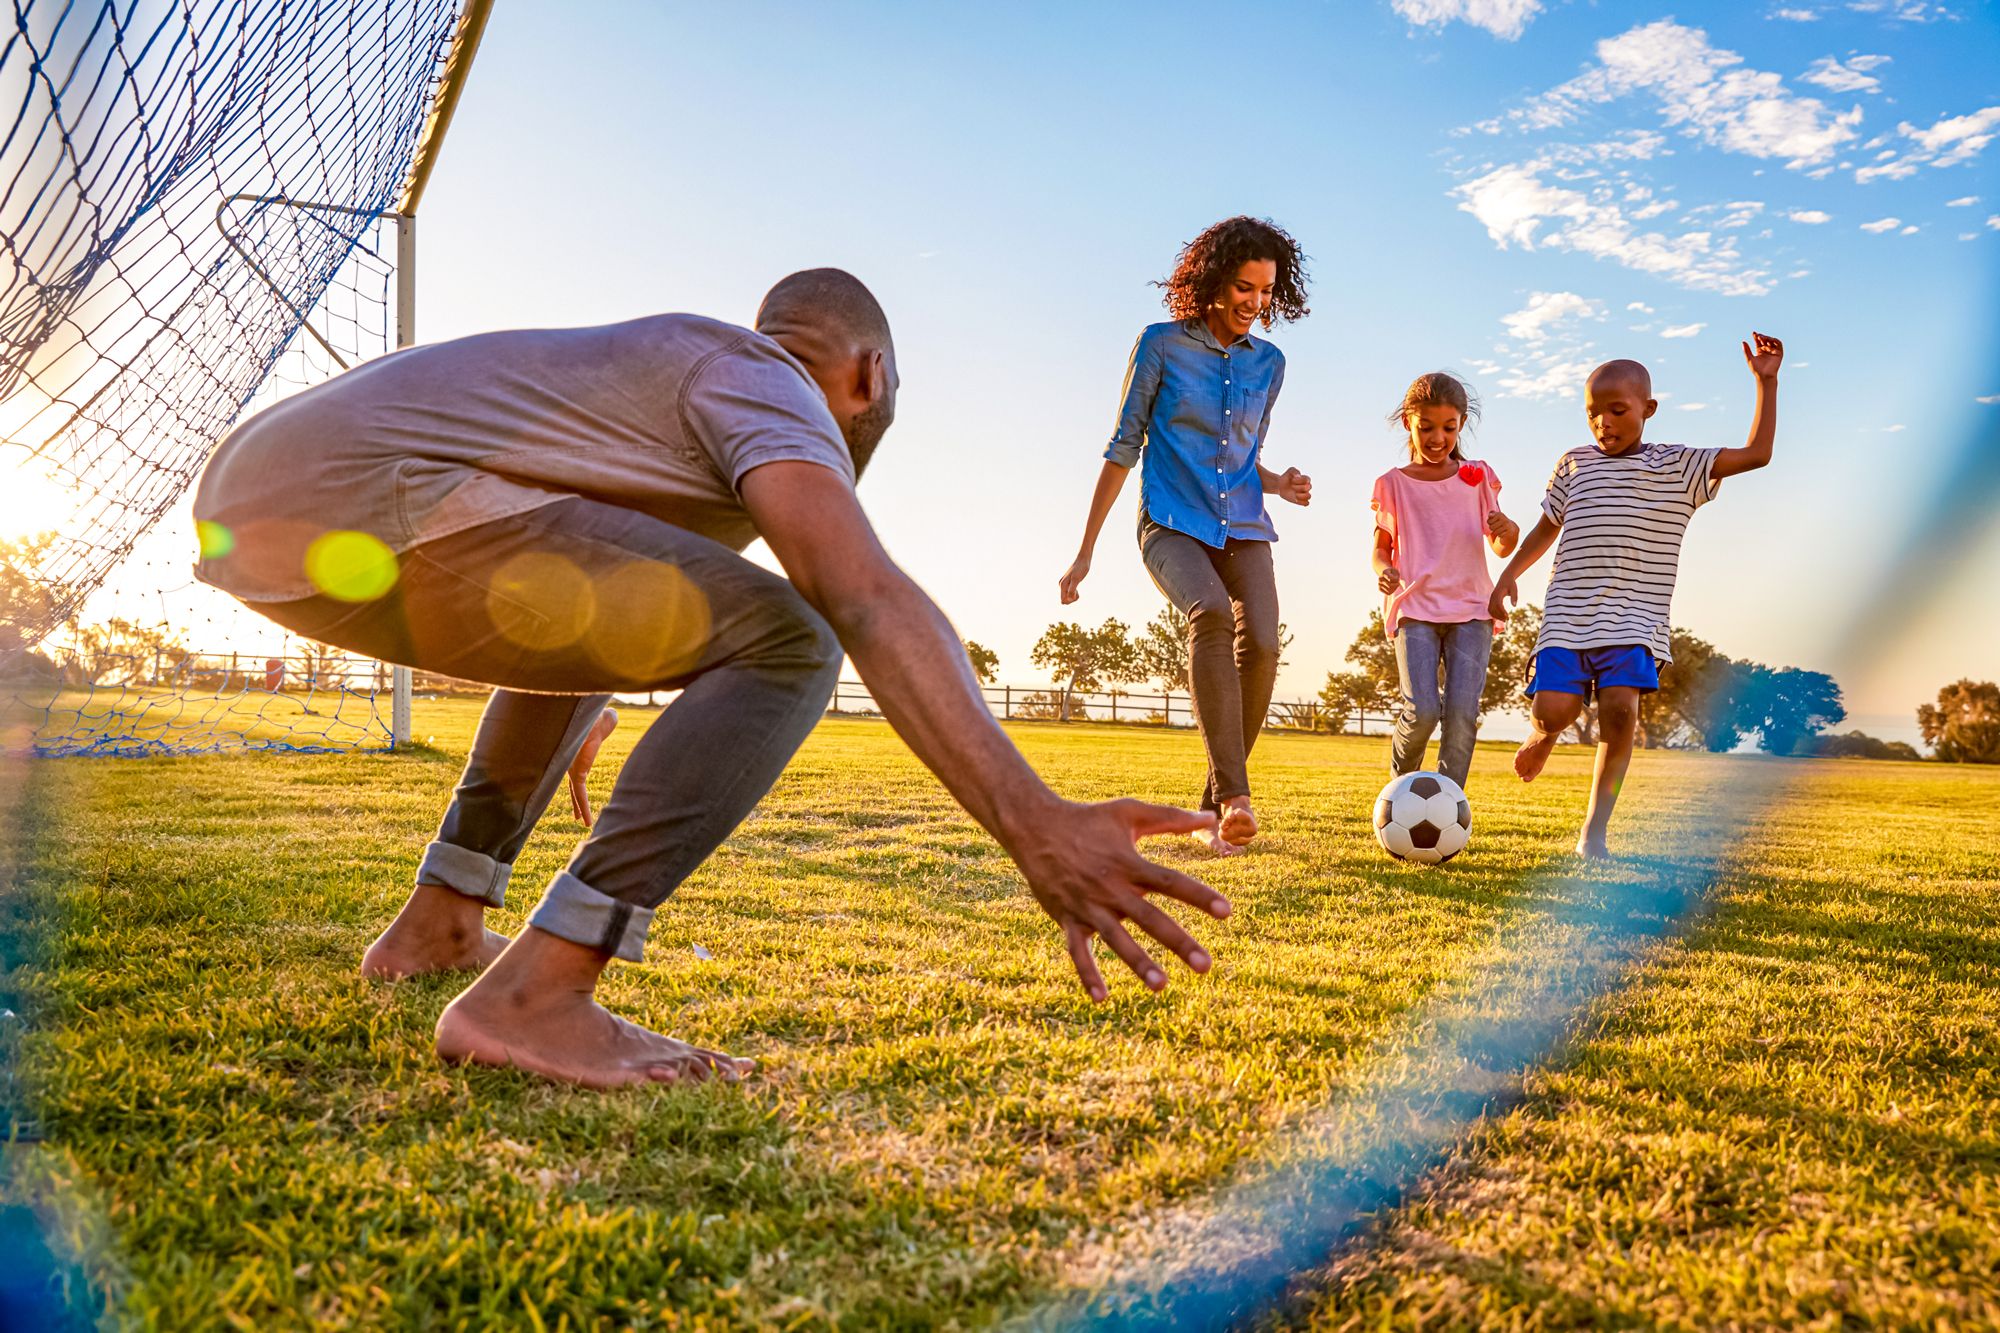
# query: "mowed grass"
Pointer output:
{"type": "Point", "coordinates": [1783, 1113]}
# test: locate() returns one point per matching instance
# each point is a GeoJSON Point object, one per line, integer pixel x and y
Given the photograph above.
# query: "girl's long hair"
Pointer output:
{"type": "Point", "coordinates": [1437, 389]}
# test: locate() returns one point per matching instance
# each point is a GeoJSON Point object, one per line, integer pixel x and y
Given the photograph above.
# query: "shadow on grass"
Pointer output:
{"type": "Point", "coordinates": [1460, 1059]}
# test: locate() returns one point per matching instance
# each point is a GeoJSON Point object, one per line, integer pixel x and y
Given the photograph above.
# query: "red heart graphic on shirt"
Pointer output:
{"type": "Point", "coordinates": [1471, 474]}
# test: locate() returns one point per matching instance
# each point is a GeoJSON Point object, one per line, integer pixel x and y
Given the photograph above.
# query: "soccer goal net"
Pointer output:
{"type": "Point", "coordinates": [205, 205]}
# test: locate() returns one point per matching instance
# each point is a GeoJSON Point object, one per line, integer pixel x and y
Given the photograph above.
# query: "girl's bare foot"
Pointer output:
{"type": "Point", "coordinates": [528, 1013]}
{"type": "Point", "coordinates": [437, 931]}
{"type": "Point", "coordinates": [1533, 754]}
{"type": "Point", "coordinates": [1593, 847]}
{"type": "Point", "coordinates": [579, 767]}
{"type": "Point", "coordinates": [1238, 824]}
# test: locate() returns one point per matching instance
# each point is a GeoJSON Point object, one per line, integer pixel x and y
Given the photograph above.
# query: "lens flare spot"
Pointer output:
{"type": "Point", "coordinates": [542, 601]}
{"type": "Point", "coordinates": [350, 566]}
{"type": "Point", "coordinates": [661, 628]}
{"type": "Point", "coordinates": [216, 541]}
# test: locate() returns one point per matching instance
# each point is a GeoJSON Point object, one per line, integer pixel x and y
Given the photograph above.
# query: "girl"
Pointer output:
{"type": "Point", "coordinates": [1430, 517]}
{"type": "Point", "coordinates": [1197, 405]}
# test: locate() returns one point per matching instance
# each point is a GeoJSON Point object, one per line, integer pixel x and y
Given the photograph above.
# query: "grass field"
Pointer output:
{"type": "Point", "coordinates": [1781, 1112]}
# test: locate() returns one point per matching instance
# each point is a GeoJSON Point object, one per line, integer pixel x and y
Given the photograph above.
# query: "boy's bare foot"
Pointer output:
{"type": "Point", "coordinates": [1238, 824]}
{"type": "Point", "coordinates": [437, 931]}
{"type": "Point", "coordinates": [524, 1015]}
{"type": "Point", "coordinates": [1593, 848]}
{"type": "Point", "coordinates": [1533, 754]}
{"type": "Point", "coordinates": [579, 767]}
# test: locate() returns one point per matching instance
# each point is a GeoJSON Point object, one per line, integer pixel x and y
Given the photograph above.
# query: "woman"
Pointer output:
{"type": "Point", "coordinates": [1198, 400]}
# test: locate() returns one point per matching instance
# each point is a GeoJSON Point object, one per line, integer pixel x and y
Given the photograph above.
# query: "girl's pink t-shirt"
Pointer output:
{"type": "Point", "coordinates": [1438, 531]}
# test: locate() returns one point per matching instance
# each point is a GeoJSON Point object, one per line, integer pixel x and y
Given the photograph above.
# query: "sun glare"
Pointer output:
{"type": "Point", "coordinates": [30, 503]}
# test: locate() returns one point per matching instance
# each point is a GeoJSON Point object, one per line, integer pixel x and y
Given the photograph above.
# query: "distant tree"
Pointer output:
{"type": "Point", "coordinates": [1963, 727]}
{"type": "Point", "coordinates": [1345, 694]}
{"type": "Point", "coordinates": [1860, 745]}
{"type": "Point", "coordinates": [1788, 707]}
{"type": "Point", "coordinates": [27, 600]}
{"type": "Point", "coordinates": [1668, 717]}
{"type": "Point", "coordinates": [1507, 669]}
{"type": "Point", "coordinates": [1285, 637]}
{"type": "Point", "coordinates": [1375, 654]}
{"type": "Point", "coordinates": [985, 662]}
{"type": "Point", "coordinates": [123, 650]}
{"type": "Point", "coordinates": [1716, 702]}
{"type": "Point", "coordinates": [1162, 647]}
{"type": "Point", "coordinates": [1078, 659]}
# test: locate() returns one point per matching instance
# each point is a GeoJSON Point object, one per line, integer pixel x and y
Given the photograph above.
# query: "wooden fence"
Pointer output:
{"type": "Point", "coordinates": [1018, 703]}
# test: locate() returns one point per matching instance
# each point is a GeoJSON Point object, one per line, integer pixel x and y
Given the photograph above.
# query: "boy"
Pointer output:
{"type": "Point", "coordinates": [1621, 509]}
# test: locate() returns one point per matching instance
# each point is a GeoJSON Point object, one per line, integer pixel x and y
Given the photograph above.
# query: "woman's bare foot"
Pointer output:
{"type": "Point", "coordinates": [1238, 824]}
{"type": "Point", "coordinates": [533, 1010]}
{"type": "Point", "coordinates": [437, 931]}
{"type": "Point", "coordinates": [1533, 754]}
{"type": "Point", "coordinates": [579, 767]}
{"type": "Point", "coordinates": [1211, 840]}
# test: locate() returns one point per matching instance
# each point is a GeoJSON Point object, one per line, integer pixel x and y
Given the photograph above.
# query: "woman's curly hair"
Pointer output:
{"type": "Point", "coordinates": [1210, 260]}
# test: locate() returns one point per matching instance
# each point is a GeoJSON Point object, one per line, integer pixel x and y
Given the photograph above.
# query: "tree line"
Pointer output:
{"type": "Point", "coordinates": [1707, 700]}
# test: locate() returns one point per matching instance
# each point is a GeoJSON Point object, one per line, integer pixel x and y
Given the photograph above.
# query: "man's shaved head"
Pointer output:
{"type": "Point", "coordinates": [830, 302]}
{"type": "Point", "coordinates": [1624, 375]}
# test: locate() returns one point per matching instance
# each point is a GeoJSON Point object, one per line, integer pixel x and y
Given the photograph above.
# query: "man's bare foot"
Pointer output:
{"type": "Point", "coordinates": [1593, 847]}
{"type": "Point", "coordinates": [579, 767]}
{"type": "Point", "coordinates": [1238, 824]}
{"type": "Point", "coordinates": [1533, 754]}
{"type": "Point", "coordinates": [533, 1010]}
{"type": "Point", "coordinates": [437, 931]}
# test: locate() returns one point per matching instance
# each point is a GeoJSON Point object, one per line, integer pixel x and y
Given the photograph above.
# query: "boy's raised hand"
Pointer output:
{"type": "Point", "coordinates": [1766, 358]}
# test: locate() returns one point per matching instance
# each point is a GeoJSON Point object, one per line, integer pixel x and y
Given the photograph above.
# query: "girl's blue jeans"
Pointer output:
{"type": "Point", "coordinates": [1444, 672]}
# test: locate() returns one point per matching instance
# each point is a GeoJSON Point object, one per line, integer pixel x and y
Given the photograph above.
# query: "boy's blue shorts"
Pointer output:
{"type": "Point", "coordinates": [1586, 670]}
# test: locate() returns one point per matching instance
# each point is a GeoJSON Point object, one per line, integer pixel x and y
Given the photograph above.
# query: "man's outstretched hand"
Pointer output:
{"type": "Point", "coordinates": [1083, 866]}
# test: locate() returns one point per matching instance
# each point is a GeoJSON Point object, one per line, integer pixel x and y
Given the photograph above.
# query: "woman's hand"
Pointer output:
{"type": "Point", "coordinates": [1390, 579]}
{"type": "Point", "coordinates": [1072, 579]}
{"type": "Point", "coordinates": [1295, 486]}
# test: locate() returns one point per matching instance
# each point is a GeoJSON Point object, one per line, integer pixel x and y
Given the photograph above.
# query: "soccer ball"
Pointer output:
{"type": "Point", "coordinates": [1423, 817]}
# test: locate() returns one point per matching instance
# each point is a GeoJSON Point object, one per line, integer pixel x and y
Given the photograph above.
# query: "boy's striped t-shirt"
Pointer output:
{"type": "Point", "coordinates": [1622, 518]}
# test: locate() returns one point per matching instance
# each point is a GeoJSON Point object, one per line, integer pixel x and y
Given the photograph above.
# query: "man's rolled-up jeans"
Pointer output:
{"type": "Point", "coordinates": [561, 607]}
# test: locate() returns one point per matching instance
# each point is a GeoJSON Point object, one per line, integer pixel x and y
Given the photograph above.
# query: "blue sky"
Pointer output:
{"type": "Point", "coordinates": [1510, 189]}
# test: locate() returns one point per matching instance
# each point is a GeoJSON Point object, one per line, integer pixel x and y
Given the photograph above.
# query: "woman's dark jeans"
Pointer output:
{"type": "Point", "coordinates": [561, 607]}
{"type": "Point", "coordinates": [1230, 597]}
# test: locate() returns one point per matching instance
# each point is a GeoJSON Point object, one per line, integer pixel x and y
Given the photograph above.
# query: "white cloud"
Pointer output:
{"type": "Point", "coordinates": [1906, 11]}
{"type": "Point", "coordinates": [1546, 311]}
{"type": "Point", "coordinates": [1910, 230]}
{"type": "Point", "coordinates": [1852, 77]}
{"type": "Point", "coordinates": [1682, 330]}
{"type": "Point", "coordinates": [1700, 87]}
{"type": "Point", "coordinates": [1964, 201]}
{"type": "Point", "coordinates": [1952, 140]}
{"type": "Point", "coordinates": [1505, 19]}
{"type": "Point", "coordinates": [1988, 399]}
{"type": "Point", "coordinates": [1968, 236]}
{"type": "Point", "coordinates": [1548, 379]}
{"type": "Point", "coordinates": [1795, 15]}
{"type": "Point", "coordinates": [1641, 307]}
{"type": "Point", "coordinates": [1891, 430]}
{"type": "Point", "coordinates": [1518, 208]}
{"type": "Point", "coordinates": [1880, 225]}
{"type": "Point", "coordinates": [1812, 217]}
{"type": "Point", "coordinates": [1692, 407]}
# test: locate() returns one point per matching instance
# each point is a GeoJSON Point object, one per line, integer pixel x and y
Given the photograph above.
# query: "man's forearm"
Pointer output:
{"type": "Point", "coordinates": [916, 669]}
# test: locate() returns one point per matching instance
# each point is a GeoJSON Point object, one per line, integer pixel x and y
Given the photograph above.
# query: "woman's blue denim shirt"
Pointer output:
{"type": "Point", "coordinates": [1197, 412]}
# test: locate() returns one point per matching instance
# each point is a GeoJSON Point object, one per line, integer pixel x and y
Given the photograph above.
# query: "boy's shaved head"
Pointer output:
{"type": "Point", "coordinates": [1622, 374]}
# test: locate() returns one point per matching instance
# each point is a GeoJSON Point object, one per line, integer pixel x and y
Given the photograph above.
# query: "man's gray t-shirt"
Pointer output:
{"type": "Point", "coordinates": [663, 415]}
